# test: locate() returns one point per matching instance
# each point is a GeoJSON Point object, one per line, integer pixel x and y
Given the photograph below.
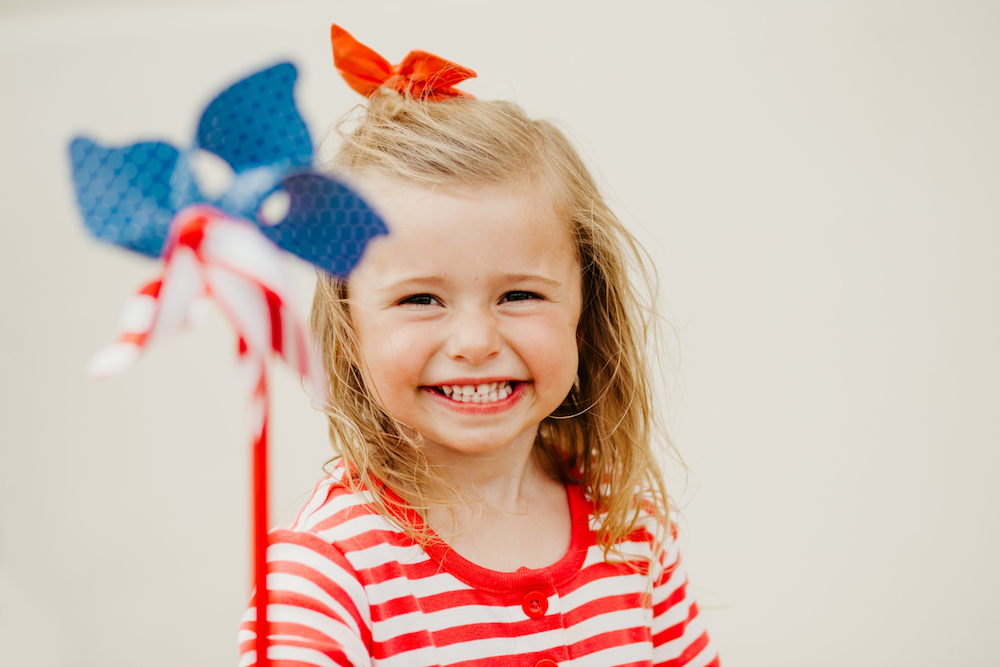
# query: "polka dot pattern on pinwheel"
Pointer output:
{"type": "Point", "coordinates": [255, 122]}
{"type": "Point", "coordinates": [327, 224]}
{"type": "Point", "coordinates": [129, 195]}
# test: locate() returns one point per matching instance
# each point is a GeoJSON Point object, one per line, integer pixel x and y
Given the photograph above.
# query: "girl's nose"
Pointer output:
{"type": "Point", "coordinates": [475, 337]}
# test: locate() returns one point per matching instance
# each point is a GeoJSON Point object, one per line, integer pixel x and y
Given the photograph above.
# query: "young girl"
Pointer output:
{"type": "Point", "coordinates": [496, 500]}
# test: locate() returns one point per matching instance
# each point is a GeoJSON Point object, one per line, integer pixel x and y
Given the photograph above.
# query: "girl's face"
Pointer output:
{"type": "Point", "coordinates": [467, 313]}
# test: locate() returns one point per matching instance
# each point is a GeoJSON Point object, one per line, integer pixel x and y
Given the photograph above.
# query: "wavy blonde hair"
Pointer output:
{"type": "Point", "coordinates": [602, 435]}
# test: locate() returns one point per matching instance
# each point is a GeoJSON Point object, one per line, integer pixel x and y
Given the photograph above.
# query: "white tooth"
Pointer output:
{"type": "Point", "coordinates": [493, 386]}
{"type": "Point", "coordinates": [494, 397]}
{"type": "Point", "coordinates": [507, 391]}
{"type": "Point", "coordinates": [482, 389]}
{"type": "Point", "coordinates": [446, 390]}
{"type": "Point", "coordinates": [468, 390]}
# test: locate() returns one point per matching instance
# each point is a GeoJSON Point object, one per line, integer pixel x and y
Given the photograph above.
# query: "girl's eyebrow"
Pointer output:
{"type": "Point", "coordinates": [437, 281]}
{"type": "Point", "coordinates": [408, 283]}
{"type": "Point", "coordinates": [530, 278]}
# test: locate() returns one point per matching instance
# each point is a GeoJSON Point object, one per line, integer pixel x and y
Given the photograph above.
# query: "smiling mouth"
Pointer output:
{"type": "Point", "coordinates": [491, 392]}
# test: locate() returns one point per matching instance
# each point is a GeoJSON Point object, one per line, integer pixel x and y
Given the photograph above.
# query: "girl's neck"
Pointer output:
{"type": "Point", "coordinates": [498, 479]}
{"type": "Point", "coordinates": [507, 502]}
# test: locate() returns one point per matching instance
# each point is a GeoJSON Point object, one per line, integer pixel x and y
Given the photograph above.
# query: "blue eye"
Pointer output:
{"type": "Point", "coordinates": [420, 300]}
{"type": "Point", "coordinates": [518, 296]}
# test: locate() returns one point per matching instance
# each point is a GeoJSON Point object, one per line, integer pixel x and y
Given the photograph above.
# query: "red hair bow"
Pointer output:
{"type": "Point", "coordinates": [422, 74]}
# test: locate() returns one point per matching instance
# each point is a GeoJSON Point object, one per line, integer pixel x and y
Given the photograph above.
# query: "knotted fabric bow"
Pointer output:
{"type": "Point", "coordinates": [144, 197]}
{"type": "Point", "coordinates": [421, 75]}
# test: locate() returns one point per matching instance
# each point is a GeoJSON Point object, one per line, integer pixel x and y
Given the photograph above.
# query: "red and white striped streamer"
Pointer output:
{"type": "Point", "coordinates": [229, 261]}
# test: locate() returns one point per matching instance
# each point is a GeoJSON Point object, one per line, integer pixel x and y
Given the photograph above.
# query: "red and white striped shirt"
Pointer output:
{"type": "Point", "coordinates": [350, 589]}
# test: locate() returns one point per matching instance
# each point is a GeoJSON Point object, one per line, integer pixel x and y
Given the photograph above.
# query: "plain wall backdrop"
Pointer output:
{"type": "Point", "coordinates": [816, 181]}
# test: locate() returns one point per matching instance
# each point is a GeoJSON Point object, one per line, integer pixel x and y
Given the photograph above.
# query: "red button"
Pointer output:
{"type": "Point", "coordinates": [535, 604]}
{"type": "Point", "coordinates": [545, 662]}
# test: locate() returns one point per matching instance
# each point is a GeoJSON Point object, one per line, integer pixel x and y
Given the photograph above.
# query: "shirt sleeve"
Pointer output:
{"type": "Point", "coordinates": [317, 608]}
{"type": "Point", "coordinates": [679, 635]}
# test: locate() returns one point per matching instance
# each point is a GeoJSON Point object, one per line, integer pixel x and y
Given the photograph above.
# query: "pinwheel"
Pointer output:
{"type": "Point", "coordinates": [145, 197]}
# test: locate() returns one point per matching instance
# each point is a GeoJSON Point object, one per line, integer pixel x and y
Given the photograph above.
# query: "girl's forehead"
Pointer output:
{"type": "Point", "coordinates": [467, 229]}
{"type": "Point", "coordinates": [466, 208]}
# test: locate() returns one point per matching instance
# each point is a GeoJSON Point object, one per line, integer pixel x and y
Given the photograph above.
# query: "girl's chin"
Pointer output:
{"type": "Point", "coordinates": [452, 451]}
{"type": "Point", "coordinates": [474, 443]}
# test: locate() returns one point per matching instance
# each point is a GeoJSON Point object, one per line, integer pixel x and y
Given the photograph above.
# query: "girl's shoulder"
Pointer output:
{"type": "Point", "coordinates": [339, 512]}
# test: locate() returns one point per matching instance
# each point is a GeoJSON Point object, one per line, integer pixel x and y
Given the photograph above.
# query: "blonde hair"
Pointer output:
{"type": "Point", "coordinates": [602, 435]}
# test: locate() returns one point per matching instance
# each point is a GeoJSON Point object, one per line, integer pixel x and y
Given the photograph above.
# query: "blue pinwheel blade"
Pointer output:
{"type": "Point", "coordinates": [254, 122]}
{"type": "Point", "coordinates": [128, 195]}
{"type": "Point", "coordinates": [327, 223]}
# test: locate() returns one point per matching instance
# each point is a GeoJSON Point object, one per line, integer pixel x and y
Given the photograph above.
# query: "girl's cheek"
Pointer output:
{"type": "Point", "coordinates": [405, 340]}
{"type": "Point", "coordinates": [557, 336]}
{"type": "Point", "coordinates": [403, 354]}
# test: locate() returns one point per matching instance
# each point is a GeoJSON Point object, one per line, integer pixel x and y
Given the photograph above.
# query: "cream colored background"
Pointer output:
{"type": "Point", "coordinates": [816, 180]}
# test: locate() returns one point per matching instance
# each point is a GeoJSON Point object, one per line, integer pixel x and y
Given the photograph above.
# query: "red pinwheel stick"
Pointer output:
{"type": "Point", "coordinates": [260, 528]}
{"type": "Point", "coordinates": [260, 522]}
{"type": "Point", "coordinates": [260, 485]}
